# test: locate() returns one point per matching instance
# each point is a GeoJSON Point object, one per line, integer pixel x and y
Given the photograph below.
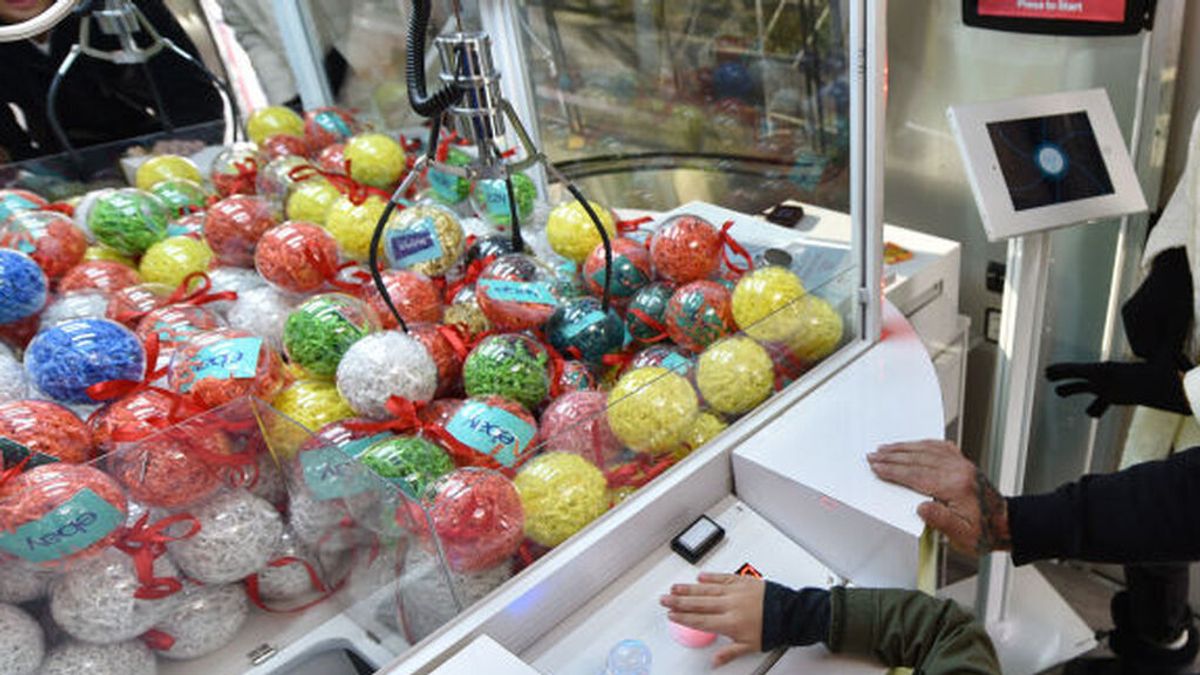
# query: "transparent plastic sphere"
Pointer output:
{"type": "Point", "coordinates": [575, 422]}
{"type": "Point", "coordinates": [235, 169]}
{"type": "Point", "coordinates": [686, 248]}
{"type": "Point", "coordinates": [157, 169]}
{"type": "Point", "coordinates": [310, 200]}
{"type": "Point", "coordinates": [650, 408]}
{"type": "Point", "coordinates": [646, 312]}
{"type": "Point", "coordinates": [699, 314]}
{"type": "Point", "coordinates": [447, 346]}
{"type": "Point", "coordinates": [22, 642]}
{"type": "Point", "coordinates": [382, 365]}
{"type": "Point", "coordinates": [664, 356]}
{"type": "Point", "coordinates": [325, 126]}
{"type": "Point", "coordinates": [510, 365]}
{"type": "Point", "coordinates": [287, 577]}
{"type": "Point", "coordinates": [233, 226]}
{"type": "Point", "coordinates": [571, 232]}
{"type": "Point", "coordinates": [410, 463]}
{"type": "Point", "coordinates": [23, 287]}
{"type": "Point", "coordinates": [220, 366]}
{"type": "Point", "coordinates": [352, 224]}
{"type": "Point", "coordinates": [631, 270]}
{"type": "Point", "coordinates": [518, 292]}
{"type": "Point", "coordinates": [273, 119]}
{"type": "Point", "coordinates": [263, 311]}
{"type": "Point", "coordinates": [413, 294]}
{"type": "Point", "coordinates": [282, 145]}
{"type": "Point", "coordinates": [98, 600]}
{"type": "Point", "coordinates": [735, 375]}
{"type": "Point", "coordinates": [581, 329]}
{"type": "Point", "coordinates": [561, 493]}
{"type": "Point", "coordinates": [128, 305]}
{"type": "Point", "coordinates": [49, 237]}
{"type": "Point", "coordinates": [427, 238]}
{"type": "Point", "coordinates": [275, 180]}
{"type": "Point", "coordinates": [128, 220]}
{"type": "Point", "coordinates": [447, 188]}
{"type": "Point", "coordinates": [319, 332]}
{"type": "Point", "coordinates": [33, 495]}
{"type": "Point", "coordinates": [15, 201]}
{"type": "Point", "coordinates": [65, 359]}
{"type": "Point", "coordinates": [47, 430]}
{"type": "Point", "coordinates": [297, 257]}
{"type": "Point", "coordinates": [181, 196]}
{"type": "Point", "coordinates": [478, 518]}
{"type": "Point", "coordinates": [491, 432]}
{"type": "Point", "coordinates": [22, 582]}
{"type": "Point", "coordinates": [489, 198]}
{"type": "Point", "coordinates": [375, 159]}
{"type": "Point", "coordinates": [819, 331]}
{"type": "Point", "coordinates": [205, 619]}
{"type": "Point", "coordinates": [629, 657]}
{"type": "Point", "coordinates": [76, 305]}
{"type": "Point", "coordinates": [188, 225]}
{"type": "Point", "coordinates": [238, 533]}
{"type": "Point", "coordinates": [175, 325]}
{"type": "Point", "coordinates": [171, 260]}
{"type": "Point", "coordinates": [312, 404]}
{"type": "Point", "coordinates": [764, 303]}
{"type": "Point", "coordinates": [84, 658]}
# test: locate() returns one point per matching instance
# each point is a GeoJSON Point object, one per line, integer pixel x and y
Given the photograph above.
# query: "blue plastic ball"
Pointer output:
{"type": "Point", "coordinates": [23, 286]}
{"type": "Point", "coordinates": [582, 329]}
{"type": "Point", "coordinates": [67, 358]}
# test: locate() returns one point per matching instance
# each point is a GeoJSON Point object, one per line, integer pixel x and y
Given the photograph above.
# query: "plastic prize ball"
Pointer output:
{"type": "Point", "coordinates": [686, 248]}
{"type": "Point", "coordinates": [130, 418]}
{"type": "Point", "coordinates": [131, 303]}
{"type": "Point", "coordinates": [650, 408]}
{"type": "Point", "coordinates": [561, 493]}
{"type": "Point", "coordinates": [447, 188]}
{"type": "Point", "coordinates": [478, 518]}
{"type": "Point", "coordinates": [233, 227]}
{"type": "Point", "coordinates": [630, 269]}
{"type": "Point", "coordinates": [176, 324]}
{"type": "Point", "coordinates": [382, 365]}
{"type": "Point", "coordinates": [819, 331]}
{"type": "Point", "coordinates": [764, 304]}
{"type": "Point", "coordinates": [15, 201]}
{"type": "Point", "coordinates": [426, 238]}
{"type": "Point", "coordinates": [181, 196]}
{"type": "Point", "coordinates": [235, 168]}
{"type": "Point", "coordinates": [375, 159]}
{"type": "Point", "coordinates": [490, 199]}
{"type": "Point", "coordinates": [45, 430]}
{"type": "Point", "coordinates": [413, 294]}
{"type": "Point", "coordinates": [262, 311]}
{"type": "Point", "coordinates": [571, 232]}
{"type": "Point", "coordinates": [410, 462]}
{"type": "Point", "coordinates": [510, 365]}
{"type": "Point", "coordinates": [646, 312]}
{"type": "Point", "coordinates": [282, 145]}
{"type": "Point", "coordinates": [575, 422]}
{"type": "Point", "coordinates": [84, 658]}
{"type": "Point", "coordinates": [296, 256]}
{"type": "Point", "coordinates": [352, 224]}
{"type": "Point", "coordinates": [575, 376]}
{"type": "Point", "coordinates": [464, 311]}
{"type": "Point", "coordinates": [98, 601]}
{"type": "Point", "coordinates": [319, 332]}
{"type": "Point", "coordinates": [704, 429]}
{"type": "Point", "coordinates": [273, 119]}
{"type": "Point", "coordinates": [238, 533]}
{"type": "Point", "coordinates": [165, 167]}
{"type": "Point", "coordinates": [173, 468]}
{"type": "Point", "coordinates": [582, 329]}
{"type": "Point", "coordinates": [43, 506]}
{"type": "Point", "coordinates": [492, 432]}
{"type": "Point", "coordinates": [173, 259]}
{"type": "Point", "coordinates": [734, 375]}
{"type": "Point", "coordinates": [665, 356]}
{"type": "Point", "coordinates": [275, 180]}
{"type": "Point", "coordinates": [23, 286]}
{"type": "Point", "coordinates": [206, 619]}
{"type": "Point", "coordinates": [699, 314]}
{"type": "Point", "coordinates": [310, 200]}
{"type": "Point", "coordinates": [49, 237]}
{"type": "Point", "coordinates": [325, 126]}
{"type": "Point", "coordinates": [219, 366]}
{"type": "Point", "coordinates": [517, 292]}
{"type": "Point", "coordinates": [312, 403]}
{"type": "Point", "coordinates": [128, 220]}
{"type": "Point", "coordinates": [64, 360]}
{"type": "Point", "coordinates": [22, 643]}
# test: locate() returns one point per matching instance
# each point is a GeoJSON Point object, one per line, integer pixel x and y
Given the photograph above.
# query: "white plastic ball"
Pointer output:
{"type": "Point", "coordinates": [290, 581]}
{"type": "Point", "coordinates": [263, 311]}
{"type": "Point", "coordinates": [382, 365]}
{"type": "Point", "coordinates": [95, 601]}
{"type": "Point", "coordinates": [268, 481]}
{"type": "Point", "coordinates": [322, 525]}
{"type": "Point", "coordinates": [426, 600]}
{"type": "Point", "coordinates": [14, 382]}
{"type": "Point", "coordinates": [21, 582]}
{"type": "Point", "coordinates": [75, 305]}
{"type": "Point", "coordinates": [238, 532]}
{"type": "Point", "coordinates": [83, 658]}
{"type": "Point", "coordinates": [236, 279]}
{"type": "Point", "coordinates": [22, 643]}
{"type": "Point", "coordinates": [208, 618]}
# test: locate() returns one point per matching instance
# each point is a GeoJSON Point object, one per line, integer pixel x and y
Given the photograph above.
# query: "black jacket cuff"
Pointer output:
{"type": "Point", "coordinates": [794, 618]}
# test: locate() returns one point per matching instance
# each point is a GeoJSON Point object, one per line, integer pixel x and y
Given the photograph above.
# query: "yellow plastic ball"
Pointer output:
{"type": "Point", "coordinates": [764, 304]}
{"type": "Point", "coordinates": [375, 159]}
{"type": "Point", "coordinates": [165, 167]}
{"type": "Point", "coordinates": [571, 232]}
{"type": "Point", "coordinates": [734, 375]}
{"type": "Point", "coordinates": [438, 236]}
{"type": "Point", "coordinates": [101, 252]}
{"type": "Point", "coordinates": [650, 408]}
{"type": "Point", "coordinates": [819, 333]}
{"type": "Point", "coordinates": [312, 404]}
{"type": "Point", "coordinates": [352, 225]}
{"type": "Point", "coordinates": [172, 259]}
{"type": "Point", "coordinates": [273, 120]}
{"type": "Point", "coordinates": [704, 429]}
{"type": "Point", "coordinates": [310, 200]}
{"type": "Point", "coordinates": [561, 493]}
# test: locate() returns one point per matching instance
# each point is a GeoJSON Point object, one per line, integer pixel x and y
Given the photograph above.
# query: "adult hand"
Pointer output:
{"type": "Point", "coordinates": [728, 604]}
{"type": "Point", "coordinates": [965, 507]}
{"type": "Point", "coordinates": [1155, 384]}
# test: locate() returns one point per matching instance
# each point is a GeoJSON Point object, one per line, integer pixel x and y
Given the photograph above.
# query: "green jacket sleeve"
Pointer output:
{"type": "Point", "coordinates": [909, 629]}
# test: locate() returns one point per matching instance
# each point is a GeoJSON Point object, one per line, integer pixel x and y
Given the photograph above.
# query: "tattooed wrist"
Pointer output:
{"type": "Point", "coordinates": [993, 517]}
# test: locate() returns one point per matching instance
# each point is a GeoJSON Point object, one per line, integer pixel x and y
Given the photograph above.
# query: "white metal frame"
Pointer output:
{"type": "Point", "coordinates": [301, 42]}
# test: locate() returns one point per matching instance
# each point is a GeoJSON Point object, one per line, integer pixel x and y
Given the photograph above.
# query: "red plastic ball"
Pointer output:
{"type": "Point", "coordinates": [38, 492]}
{"type": "Point", "coordinates": [686, 248]}
{"type": "Point", "coordinates": [46, 428]}
{"type": "Point", "coordinates": [297, 256]}
{"type": "Point", "coordinates": [103, 275]}
{"type": "Point", "coordinates": [49, 237]}
{"type": "Point", "coordinates": [173, 468]}
{"type": "Point", "coordinates": [235, 170]}
{"type": "Point", "coordinates": [491, 432]}
{"type": "Point", "coordinates": [132, 418]}
{"type": "Point", "coordinates": [439, 411]}
{"type": "Point", "coordinates": [325, 126]}
{"type": "Point", "coordinates": [415, 296]}
{"type": "Point", "coordinates": [219, 366]}
{"type": "Point", "coordinates": [630, 270]}
{"type": "Point", "coordinates": [14, 201]}
{"type": "Point", "coordinates": [576, 423]}
{"type": "Point", "coordinates": [233, 227]}
{"type": "Point", "coordinates": [699, 314]}
{"type": "Point", "coordinates": [448, 357]}
{"type": "Point", "coordinates": [128, 305]}
{"type": "Point", "coordinates": [332, 159]}
{"type": "Point", "coordinates": [175, 324]}
{"type": "Point", "coordinates": [478, 519]}
{"type": "Point", "coordinates": [283, 145]}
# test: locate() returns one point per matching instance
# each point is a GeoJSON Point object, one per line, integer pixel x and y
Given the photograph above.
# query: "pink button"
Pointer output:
{"type": "Point", "coordinates": [690, 637]}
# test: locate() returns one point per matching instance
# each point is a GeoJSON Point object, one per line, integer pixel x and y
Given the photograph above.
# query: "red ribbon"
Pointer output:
{"type": "Point", "coordinates": [655, 324]}
{"type": "Point", "coordinates": [244, 182]}
{"type": "Point", "coordinates": [731, 244]}
{"type": "Point", "coordinates": [474, 269]}
{"type": "Point", "coordinates": [157, 640]}
{"type": "Point", "coordinates": [60, 207]}
{"type": "Point", "coordinates": [15, 470]}
{"type": "Point", "coordinates": [144, 543]}
{"type": "Point", "coordinates": [114, 389]}
{"type": "Point", "coordinates": [620, 360]}
{"type": "Point", "coordinates": [639, 472]}
{"type": "Point", "coordinates": [200, 296]}
{"type": "Point", "coordinates": [627, 226]}
{"type": "Point", "coordinates": [410, 146]}
{"type": "Point", "coordinates": [354, 191]}
{"type": "Point", "coordinates": [556, 369]}
{"type": "Point", "coordinates": [457, 335]}
{"type": "Point", "coordinates": [404, 417]}
{"type": "Point", "coordinates": [252, 590]}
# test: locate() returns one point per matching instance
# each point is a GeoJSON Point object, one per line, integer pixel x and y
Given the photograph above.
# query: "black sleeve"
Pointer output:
{"type": "Point", "coordinates": [1158, 316]}
{"type": "Point", "coordinates": [794, 618]}
{"type": "Point", "coordinates": [191, 97]}
{"type": "Point", "coordinates": [1146, 513]}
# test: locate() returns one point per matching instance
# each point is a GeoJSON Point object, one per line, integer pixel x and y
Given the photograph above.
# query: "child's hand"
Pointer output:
{"type": "Point", "coordinates": [721, 603]}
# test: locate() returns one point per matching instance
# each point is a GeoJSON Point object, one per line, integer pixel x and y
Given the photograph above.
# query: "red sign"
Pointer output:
{"type": "Point", "coordinates": [1103, 11]}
